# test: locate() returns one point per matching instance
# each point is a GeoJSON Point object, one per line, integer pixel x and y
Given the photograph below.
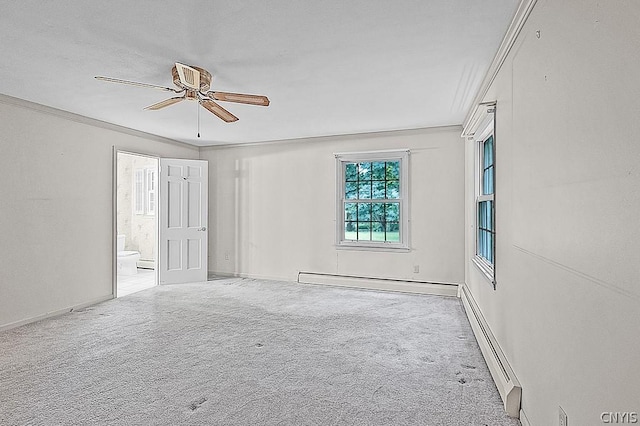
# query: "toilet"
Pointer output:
{"type": "Point", "coordinates": [127, 259]}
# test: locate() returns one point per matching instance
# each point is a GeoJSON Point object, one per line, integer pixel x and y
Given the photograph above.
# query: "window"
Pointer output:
{"type": "Point", "coordinates": [151, 191]}
{"type": "Point", "coordinates": [138, 192]}
{"type": "Point", "coordinates": [485, 202]}
{"type": "Point", "coordinates": [372, 200]}
{"type": "Point", "coordinates": [144, 191]}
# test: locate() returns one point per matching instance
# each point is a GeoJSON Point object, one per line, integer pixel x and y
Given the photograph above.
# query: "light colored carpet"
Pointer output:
{"type": "Point", "coordinates": [247, 352]}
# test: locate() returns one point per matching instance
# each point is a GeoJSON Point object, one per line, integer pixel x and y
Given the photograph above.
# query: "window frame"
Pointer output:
{"type": "Point", "coordinates": [403, 199]}
{"type": "Point", "coordinates": [485, 265]}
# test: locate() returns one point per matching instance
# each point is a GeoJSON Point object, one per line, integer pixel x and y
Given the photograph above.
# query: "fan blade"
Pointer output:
{"type": "Point", "coordinates": [240, 98]}
{"type": "Point", "coordinates": [165, 103]}
{"type": "Point", "coordinates": [189, 76]}
{"type": "Point", "coordinates": [218, 110]}
{"type": "Point", "coordinates": [135, 83]}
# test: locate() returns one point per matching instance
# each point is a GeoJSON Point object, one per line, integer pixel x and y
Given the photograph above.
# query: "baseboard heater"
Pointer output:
{"type": "Point", "coordinates": [146, 264]}
{"type": "Point", "coordinates": [503, 376]}
{"type": "Point", "coordinates": [372, 283]}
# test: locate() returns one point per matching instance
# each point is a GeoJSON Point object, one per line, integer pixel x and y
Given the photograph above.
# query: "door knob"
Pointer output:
{"type": "Point", "coordinates": [204, 228]}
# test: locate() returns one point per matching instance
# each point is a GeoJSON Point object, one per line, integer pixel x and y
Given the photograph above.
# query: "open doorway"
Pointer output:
{"type": "Point", "coordinates": [136, 222]}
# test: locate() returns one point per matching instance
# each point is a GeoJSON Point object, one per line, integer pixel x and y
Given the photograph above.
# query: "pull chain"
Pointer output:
{"type": "Point", "coordinates": [198, 107]}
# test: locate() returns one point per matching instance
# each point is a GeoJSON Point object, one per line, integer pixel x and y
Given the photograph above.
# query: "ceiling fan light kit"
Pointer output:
{"type": "Point", "coordinates": [194, 84]}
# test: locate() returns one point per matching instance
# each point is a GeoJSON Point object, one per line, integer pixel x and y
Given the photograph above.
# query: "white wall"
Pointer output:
{"type": "Point", "coordinates": [566, 309]}
{"type": "Point", "coordinates": [273, 211]}
{"type": "Point", "coordinates": [56, 214]}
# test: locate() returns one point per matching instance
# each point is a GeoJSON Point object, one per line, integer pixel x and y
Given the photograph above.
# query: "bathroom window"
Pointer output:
{"type": "Point", "coordinates": [144, 192]}
{"type": "Point", "coordinates": [138, 192]}
{"type": "Point", "coordinates": [151, 191]}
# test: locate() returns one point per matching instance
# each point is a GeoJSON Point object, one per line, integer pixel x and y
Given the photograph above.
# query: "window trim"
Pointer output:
{"type": "Point", "coordinates": [386, 155]}
{"type": "Point", "coordinates": [488, 130]}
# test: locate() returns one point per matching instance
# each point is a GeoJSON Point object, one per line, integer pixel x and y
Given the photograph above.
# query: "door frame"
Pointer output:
{"type": "Point", "coordinates": [114, 217]}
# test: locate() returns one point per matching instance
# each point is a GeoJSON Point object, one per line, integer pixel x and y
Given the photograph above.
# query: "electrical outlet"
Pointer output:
{"type": "Point", "coordinates": [416, 269]}
{"type": "Point", "coordinates": [563, 421]}
{"type": "Point", "coordinates": [226, 255]}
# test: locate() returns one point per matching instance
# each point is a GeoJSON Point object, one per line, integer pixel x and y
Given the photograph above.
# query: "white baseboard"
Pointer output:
{"type": "Point", "coordinates": [385, 284]}
{"type": "Point", "coordinates": [502, 373]}
{"type": "Point", "coordinates": [54, 313]}
{"type": "Point", "coordinates": [523, 419]}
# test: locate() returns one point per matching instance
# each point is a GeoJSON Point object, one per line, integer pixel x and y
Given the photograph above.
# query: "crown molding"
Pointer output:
{"type": "Point", "coordinates": [66, 115]}
{"type": "Point", "coordinates": [518, 21]}
{"type": "Point", "coordinates": [333, 138]}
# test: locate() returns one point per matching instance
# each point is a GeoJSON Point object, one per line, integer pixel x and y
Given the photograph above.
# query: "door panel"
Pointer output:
{"type": "Point", "coordinates": [183, 221]}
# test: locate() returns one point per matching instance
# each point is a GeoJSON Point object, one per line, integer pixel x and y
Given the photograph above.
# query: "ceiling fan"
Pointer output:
{"type": "Point", "coordinates": [193, 83]}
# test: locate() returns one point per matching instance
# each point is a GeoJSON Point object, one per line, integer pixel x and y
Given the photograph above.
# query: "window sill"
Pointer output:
{"type": "Point", "coordinates": [373, 247]}
{"type": "Point", "coordinates": [486, 269]}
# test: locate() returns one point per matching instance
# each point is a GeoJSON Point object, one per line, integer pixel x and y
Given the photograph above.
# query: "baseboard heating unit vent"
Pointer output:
{"type": "Point", "coordinates": [387, 284]}
{"type": "Point", "coordinates": [503, 376]}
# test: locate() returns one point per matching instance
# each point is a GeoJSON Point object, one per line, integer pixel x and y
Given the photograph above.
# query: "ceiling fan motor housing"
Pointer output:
{"type": "Point", "coordinates": [205, 78]}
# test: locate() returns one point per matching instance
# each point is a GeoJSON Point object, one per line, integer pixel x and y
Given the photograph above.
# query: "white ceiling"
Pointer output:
{"type": "Point", "coordinates": [328, 67]}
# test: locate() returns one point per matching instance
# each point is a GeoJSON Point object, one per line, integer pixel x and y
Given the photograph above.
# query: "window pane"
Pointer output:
{"type": "Point", "coordinates": [350, 211]}
{"type": "Point", "coordinates": [393, 189]}
{"type": "Point", "coordinates": [377, 231]}
{"type": "Point", "coordinates": [485, 231]}
{"type": "Point", "coordinates": [488, 152]}
{"type": "Point", "coordinates": [351, 231]}
{"type": "Point", "coordinates": [351, 190]}
{"type": "Point", "coordinates": [392, 212]}
{"type": "Point", "coordinates": [351, 171]}
{"type": "Point", "coordinates": [393, 170]}
{"type": "Point", "coordinates": [487, 180]}
{"type": "Point", "coordinates": [364, 231]}
{"type": "Point", "coordinates": [378, 190]}
{"type": "Point", "coordinates": [364, 190]}
{"type": "Point", "coordinates": [378, 170]}
{"type": "Point", "coordinates": [489, 247]}
{"type": "Point", "coordinates": [365, 171]}
{"type": "Point", "coordinates": [364, 212]}
{"type": "Point", "coordinates": [377, 212]}
{"type": "Point", "coordinates": [393, 231]}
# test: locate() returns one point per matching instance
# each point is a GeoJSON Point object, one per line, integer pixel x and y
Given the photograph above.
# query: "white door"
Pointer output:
{"type": "Point", "coordinates": [182, 254]}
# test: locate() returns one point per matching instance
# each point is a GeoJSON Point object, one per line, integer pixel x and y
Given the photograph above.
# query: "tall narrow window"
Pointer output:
{"type": "Point", "coordinates": [485, 203]}
{"type": "Point", "coordinates": [372, 200]}
{"type": "Point", "coordinates": [151, 191]}
{"type": "Point", "coordinates": [138, 192]}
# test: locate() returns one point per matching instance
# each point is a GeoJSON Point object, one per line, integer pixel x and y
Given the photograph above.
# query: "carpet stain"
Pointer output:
{"type": "Point", "coordinates": [197, 404]}
{"type": "Point", "coordinates": [468, 367]}
{"type": "Point", "coordinates": [259, 345]}
{"type": "Point", "coordinates": [462, 380]}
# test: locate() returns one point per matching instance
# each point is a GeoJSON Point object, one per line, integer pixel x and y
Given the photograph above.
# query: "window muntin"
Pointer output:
{"type": "Point", "coordinates": [372, 200]}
